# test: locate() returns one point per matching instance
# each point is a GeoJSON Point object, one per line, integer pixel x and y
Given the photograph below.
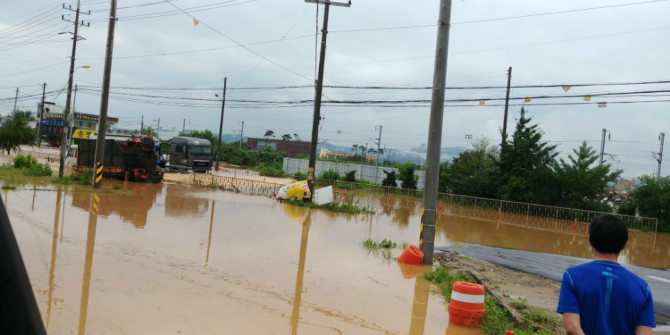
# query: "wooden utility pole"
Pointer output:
{"type": "Point", "coordinates": [432, 173]}
{"type": "Point", "coordinates": [659, 157]}
{"type": "Point", "coordinates": [39, 125]}
{"type": "Point", "coordinates": [602, 147]}
{"type": "Point", "coordinates": [379, 141]}
{"type": "Point", "coordinates": [223, 107]}
{"type": "Point", "coordinates": [509, 81]}
{"type": "Point", "coordinates": [16, 99]}
{"type": "Point", "coordinates": [241, 134]}
{"type": "Point", "coordinates": [104, 101]}
{"type": "Point", "coordinates": [318, 92]}
{"type": "Point", "coordinates": [66, 116]}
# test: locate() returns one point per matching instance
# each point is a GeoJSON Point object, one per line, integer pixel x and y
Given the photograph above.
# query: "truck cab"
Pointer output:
{"type": "Point", "coordinates": [190, 153]}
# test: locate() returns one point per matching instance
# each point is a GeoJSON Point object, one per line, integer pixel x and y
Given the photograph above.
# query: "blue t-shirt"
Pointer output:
{"type": "Point", "coordinates": [608, 297]}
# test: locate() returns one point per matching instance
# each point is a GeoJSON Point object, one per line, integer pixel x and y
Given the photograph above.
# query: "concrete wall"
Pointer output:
{"type": "Point", "coordinates": [364, 172]}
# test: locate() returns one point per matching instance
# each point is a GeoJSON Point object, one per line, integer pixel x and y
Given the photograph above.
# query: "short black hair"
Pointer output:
{"type": "Point", "coordinates": [608, 234]}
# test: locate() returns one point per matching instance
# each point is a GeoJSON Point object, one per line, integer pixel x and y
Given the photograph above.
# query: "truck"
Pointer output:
{"type": "Point", "coordinates": [190, 154]}
{"type": "Point", "coordinates": [131, 158]}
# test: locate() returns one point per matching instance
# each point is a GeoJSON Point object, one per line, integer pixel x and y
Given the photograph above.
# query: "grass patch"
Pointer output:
{"type": "Point", "coordinates": [337, 207]}
{"type": "Point", "coordinates": [497, 318]}
{"type": "Point", "coordinates": [81, 178]}
{"type": "Point", "coordinates": [382, 247]}
{"type": "Point", "coordinates": [373, 245]}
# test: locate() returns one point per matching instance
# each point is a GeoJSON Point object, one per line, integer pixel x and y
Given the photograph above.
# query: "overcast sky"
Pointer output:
{"type": "Point", "coordinates": [167, 67]}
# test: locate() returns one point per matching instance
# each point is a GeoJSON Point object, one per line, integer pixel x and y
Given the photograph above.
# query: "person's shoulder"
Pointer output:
{"type": "Point", "coordinates": [582, 267]}
{"type": "Point", "coordinates": [632, 276]}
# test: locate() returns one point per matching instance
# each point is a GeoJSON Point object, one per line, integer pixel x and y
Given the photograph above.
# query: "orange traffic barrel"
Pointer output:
{"type": "Point", "coordinates": [466, 307]}
{"type": "Point", "coordinates": [411, 255]}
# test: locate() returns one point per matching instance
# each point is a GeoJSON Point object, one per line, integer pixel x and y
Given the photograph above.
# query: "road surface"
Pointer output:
{"type": "Point", "coordinates": [552, 267]}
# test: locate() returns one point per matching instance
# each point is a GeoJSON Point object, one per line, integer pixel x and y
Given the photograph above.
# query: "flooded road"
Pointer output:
{"type": "Point", "coordinates": [172, 258]}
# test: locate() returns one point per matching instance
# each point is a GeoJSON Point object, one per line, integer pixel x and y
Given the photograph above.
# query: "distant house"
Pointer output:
{"type": "Point", "coordinates": [325, 153]}
{"type": "Point", "coordinates": [625, 185]}
{"type": "Point", "coordinates": [290, 148]}
{"type": "Point", "coordinates": [52, 121]}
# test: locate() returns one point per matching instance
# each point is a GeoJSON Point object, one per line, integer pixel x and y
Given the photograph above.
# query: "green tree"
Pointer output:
{"type": "Point", "coordinates": [472, 172]}
{"type": "Point", "coordinates": [15, 131]}
{"type": "Point", "coordinates": [286, 137]}
{"type": "Point", "coordinates": [581, 182]}
{"type": "Point", "coordinates": [652, 199]}
{"type": "Point", "coordinates": [149, 131]}
{"type": "Point", "coordinates": [269, 133]}
{"type": "Point", "coordinates": [406, 175]}
{"type": "Point", "coordinates": [525, 166]}
{"type": "Point", "coordinates": [350, 176]}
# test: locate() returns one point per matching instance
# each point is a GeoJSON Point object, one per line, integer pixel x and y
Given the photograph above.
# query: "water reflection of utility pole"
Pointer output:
{"type": "Point", "coordinates": [297, 296]}
{"type": "Point", "coordinates": [62, 221]}
{"type": "Point", "coordinates": [209, 238]}
{"type": "Point", "coordinates": [32, 206]}
{"type": "Point", "coordinates": [88, 261]}
{"type": "Point", "coordinates": [419, 306]}
{"type": "Point", "coordinates": [52, 267]}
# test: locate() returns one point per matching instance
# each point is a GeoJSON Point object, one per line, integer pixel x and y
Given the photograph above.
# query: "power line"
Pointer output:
{"type": "Point", "coordinates": [237, 43]}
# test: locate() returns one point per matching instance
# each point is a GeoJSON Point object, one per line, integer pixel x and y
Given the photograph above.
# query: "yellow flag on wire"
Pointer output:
{"type": "Point", "coordinates": [482, 102]}
{"type": "Point", "coordinates": [195, 22]}
{"type": "Point", "coordinates": [587, 98]}
{"type": "Point", "coordinates": [566, 88]}
{"type": "Point", "coordinates": [527, 100]}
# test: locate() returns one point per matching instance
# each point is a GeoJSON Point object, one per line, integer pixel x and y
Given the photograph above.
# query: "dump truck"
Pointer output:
{"type": "Point", "coordinates": [190, 154]}
{"type": "Point", "coordinates": [131, 158]}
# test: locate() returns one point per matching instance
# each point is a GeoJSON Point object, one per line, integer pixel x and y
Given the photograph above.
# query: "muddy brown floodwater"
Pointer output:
{"type": "Point", "coordinates": [179, 259]}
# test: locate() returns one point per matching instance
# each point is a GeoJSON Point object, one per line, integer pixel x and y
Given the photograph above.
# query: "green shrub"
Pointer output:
{"type": "Point", "coordinates": [350, 176]}
{"type": "Point", "coordinates": [37, 170]}
{"type": "Point", "coordinates": [406, 175]}
{"type": "Point", "coordinates": [330, 175]}
{"type": "Point", "coordinates": [300, 176]}
{"type": "Point", "coordinates": [390, 179]}
{"type": "Point", "coordinates": [269, 171]}
{"type": "Point", "coordinates": [24, 162]}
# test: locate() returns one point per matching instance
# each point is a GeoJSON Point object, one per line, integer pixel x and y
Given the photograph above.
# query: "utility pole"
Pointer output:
{"type": "Point", "coordinates": [71, 123]}
{"type": "Point", "coordinates": [602, 147]}
{"type": "Point", "coordinates": [432, 173]}
{"type": "Point", "coordinates": [39, 125]}
{"type": "Point", "coordinates": [183, 126]}
{"type": "Point", "coordinates": [142, 125]}
{"type": "Point", "coordinates": [223, 106]}
{"type": "Point", "coordinates": [379, 141]}
{"type": "Point", "coordinates": [104, 101]}
{"type": "Point", "coordinates": [241, 134]}
{"type": "Point", "coordinates": [158, 128]}
{"type": "Point", "coordinates": [66, 116]}
{"type": "Point", "coordinates": [509, 81]}
{"type": "Point", "coordinates": [659, 157]}
{"type": "Point", "coordinates": [319, 90]}
{"type": "Point", "coordinates": [16, 99]}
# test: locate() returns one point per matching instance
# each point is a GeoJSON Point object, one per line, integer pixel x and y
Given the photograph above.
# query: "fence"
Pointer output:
{"type": "Point", "coordinates": [510, 212]}
{"type": "Point", "coordinates": [45, 154]}
{"type": "Point", "coordinates": [245, 186]}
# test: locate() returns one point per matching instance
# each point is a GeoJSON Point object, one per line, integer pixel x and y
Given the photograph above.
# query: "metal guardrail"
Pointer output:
{"type": "Point", "coordinates": [238, 185]}
{"type": "Point", "coordinates": [510, 212]}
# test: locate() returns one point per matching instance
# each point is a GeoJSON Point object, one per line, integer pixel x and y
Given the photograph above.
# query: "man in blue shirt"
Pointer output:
{"type": "Point", "coordinates": [603, 297]}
